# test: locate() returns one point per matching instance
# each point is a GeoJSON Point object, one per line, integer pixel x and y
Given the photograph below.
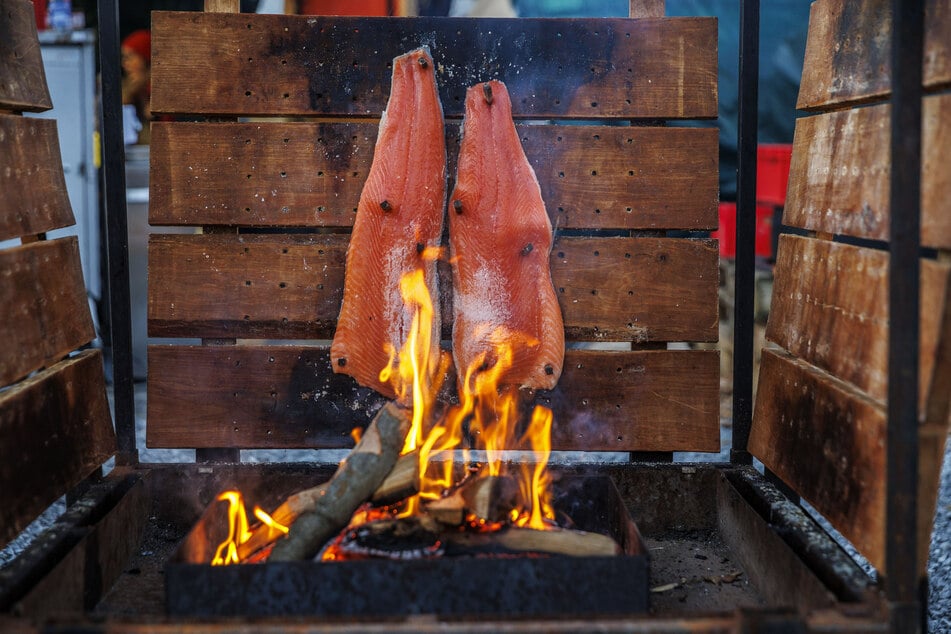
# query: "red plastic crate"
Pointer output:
{"type": "Point", "coordinates": [772, 172]}
{"type": "Point", "coordinates": [726, 234]}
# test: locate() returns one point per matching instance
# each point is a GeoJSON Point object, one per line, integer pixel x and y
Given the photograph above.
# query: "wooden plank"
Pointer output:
{"type": "Point", "coordinates": [311, 174]}
{"type": "Point", "coordinates": [56, 429]}
{"type": "Point", "coordinates": [71, 566]}
{"type": "Point", "coordinates": [830, 308]}
{"type": "Point", "coordinates": [44, 313]}
{"type": "Point", "coordinates": [578, 68]}
{"type": "Point", "coordinates": [31, 177]}
{"type": "Point", "coordinates": [288, 397]}
{"type": "Point", "coordinates": [827, 441]}
{"type": "Point", "coordinates": [848, 52]}
{"type": "Point", "coordinates": [647, 8]}
{"type": "Point", "coordinates": [290, 286]}
{"type": "Point", "coordinates": [22, 77]}
{"type": "Point", "coordinates": [839, 174]}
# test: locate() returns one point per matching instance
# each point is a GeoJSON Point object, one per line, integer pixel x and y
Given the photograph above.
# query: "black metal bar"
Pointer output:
{"type": "Point", "coordinates": [748, 87]}
{"type": "Point", "coordinates": [901, 570]}
{"type": "Point", "coordinates": [117, 234]}
{"type": "Point", "coordinates": [218, 455]}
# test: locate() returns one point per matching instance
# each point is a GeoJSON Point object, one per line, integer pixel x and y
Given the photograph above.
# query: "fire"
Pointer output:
{"type": "Point", "coordinates": [238, 529]}
{"type": "Point", "coordinates": [488, 410]}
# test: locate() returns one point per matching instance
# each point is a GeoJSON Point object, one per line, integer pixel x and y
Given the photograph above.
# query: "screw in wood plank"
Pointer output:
{"type": "Point", "coordinates": [487, 92]}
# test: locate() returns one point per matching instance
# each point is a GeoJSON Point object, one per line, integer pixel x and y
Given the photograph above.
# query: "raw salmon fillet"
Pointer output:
{"type": "Point", "coordinates": [500, 239]}
{"type": "Point", "coordinates": [399, 222]}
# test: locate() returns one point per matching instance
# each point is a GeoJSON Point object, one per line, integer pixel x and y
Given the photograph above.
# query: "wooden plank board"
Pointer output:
{"type": "Point", "coordinates": [31, 177]}
{"type": "Point", "coordinates": [55, 429]}
{"type": "Point", "coordinates": [311, 174]}
{"type": "Point", "coordinates": [848, 52]}
{"type": "Point", "coordinates": [839, 173]}
{"type": "Point", "coordinates": [290, 286]}
{"type": "Point", "coordinates": [554, 68]}
{"type": "Point", "coordinates": [44, 313]}
{"type": "Point", "coordinates": [830, 308]}
{"type": "Point", "coordinates": [22, 77]}
{"type": "Point", "coordinates": [287, 397]}
{"type": "Point", "coordinates": [827, 441]}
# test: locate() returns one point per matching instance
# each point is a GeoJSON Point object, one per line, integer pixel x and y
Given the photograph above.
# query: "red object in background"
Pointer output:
{"type": "Point", "coordinates": [39, 11]}
{"type": "Point", "coordinates": [726, 234]}
{"type": "Point", "coordinates": [344, 7]}
{"type": "Point", "coordinates": [772, 172]}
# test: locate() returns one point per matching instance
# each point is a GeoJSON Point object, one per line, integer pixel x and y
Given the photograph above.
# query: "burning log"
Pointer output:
{"type": "Point", "coordinates": [401, 482]}
{"type": "Point", "coordinates": [489, 498]}
{"type": "Point", "coordinates": [354, 482]}
{"type": "Point", "coordinates": [557, 541]}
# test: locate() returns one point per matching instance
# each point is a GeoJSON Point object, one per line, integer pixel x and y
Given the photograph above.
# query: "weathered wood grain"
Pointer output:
{"type": "Point", "coordinates": [311, 174]}
{"type": "Point", "coordinates": [830, 308]}
{"type": "Point", "coordinates": [647, 8]}
{"type": "Point", "coordinates": [44, 313]}
{"type": "Point", "coordinates": [22, 77]}
{"type": "Point", "coordinates": [848, 52]}
{"type": "Point", "coordinates": [288, 396]}
{"type": "Point", "coordinates": [839, 173]}
{"type": "Point", "coordinates": [34, 196]}
{"type": "Point", "coordinates": [55, 429]}
{"type": "Point", "coordinates": [827, 441]}
{"type": "Point", "coordinates": [277, 64]}
{"type": "Point", "coordinates": [290, 287]}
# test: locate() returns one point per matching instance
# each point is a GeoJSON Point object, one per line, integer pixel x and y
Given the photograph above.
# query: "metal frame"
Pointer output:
{"type": "Point", "coordinates": [901, 584]}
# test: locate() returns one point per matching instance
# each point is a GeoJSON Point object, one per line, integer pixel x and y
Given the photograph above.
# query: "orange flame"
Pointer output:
{"type": "Point", "coordinates": [238, 529]}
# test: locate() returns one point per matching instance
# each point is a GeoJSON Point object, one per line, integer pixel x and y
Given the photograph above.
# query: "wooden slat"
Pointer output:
{"type": "Point", "coordinates": [22, 77]}
{"type": "Point", "coordinates": [290, 286]}
{"type": "Point", "coordinates": [44, 313]}
{"type": "Point", "coordinates": [647, 8]}
{"type": "Point", "coordinates": [311, 174]}
{"type": "Point", "coordinates": [827, 441]}
{"type": "Point", "coordinates": [286, 397]}
{"type": "Point", "coordinates": [830, 308]}
{"type": "Point", "coordinates": [55, 429]}
{"type": "Point", "coordinates": [580, 68]}
{"type": "Point", "coordinates": [848, 58]}
{"type": "Point", "coordinates": [839, 174]}
{"type": "Point", "coordinates": [31, 178]}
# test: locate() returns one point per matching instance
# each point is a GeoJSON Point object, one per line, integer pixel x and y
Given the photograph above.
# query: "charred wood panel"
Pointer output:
{"type": "Point", "coordinates": [827, 441]}
{"type": "Point", "coordinates": [44, 313]}
{"type": "Point", "coordinates": [311, 174]}
{"type": "Point", "coordinates": [288, 397]}
{"type": "Point", "coordinates": [840, 167]}
{"type": "Point", "coordinates": [848, 52]}
{"type": "Point", "coordinates": [830, 308]}
{"type": "Point", "coordinates": [554, 68]}
{"type": "Point", "coordinates": [56, 427]}
{"type": "Point", "coordinates": [22, 77]}
{"type": "Point", "coordinates": [31, 177]}
{"type": "Point", "coordinates": [290, 287]}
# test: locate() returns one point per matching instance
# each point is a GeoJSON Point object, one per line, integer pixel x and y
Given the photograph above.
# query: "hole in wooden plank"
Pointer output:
{"type": "Point", "coordinates": [282, 285]}
{"type": "Point", "coordinates": [247, 93]}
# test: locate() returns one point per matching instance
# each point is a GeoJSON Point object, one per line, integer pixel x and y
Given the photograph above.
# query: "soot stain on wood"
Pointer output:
{"type": "Point", "coordinates": [856, 62]}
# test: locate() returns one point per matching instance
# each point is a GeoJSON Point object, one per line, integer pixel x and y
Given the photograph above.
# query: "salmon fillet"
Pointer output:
{"type": "Point", "coordinates": [399, 220]}
{"type": "Point", "coordinates": [500, 240]}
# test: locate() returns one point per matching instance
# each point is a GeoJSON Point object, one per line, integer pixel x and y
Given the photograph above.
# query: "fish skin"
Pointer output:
{"type": "Point", "coordinates": [500, 241]}
{"type": "Point", "coordinates": [408, 172]}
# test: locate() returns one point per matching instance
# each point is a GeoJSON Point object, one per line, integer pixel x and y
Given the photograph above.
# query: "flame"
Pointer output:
{"type": "Point", "coordinates": [238, 529]}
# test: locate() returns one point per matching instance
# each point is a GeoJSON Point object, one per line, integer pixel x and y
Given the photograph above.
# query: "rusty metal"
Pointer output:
{"type": "Point", "coordinates": [530, 586]}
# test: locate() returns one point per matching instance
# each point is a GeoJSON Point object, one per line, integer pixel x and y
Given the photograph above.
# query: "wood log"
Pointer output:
{"type": "Point", "coordinates": [401, 482]}
{"type": "Point", "coordinates": [354, 482]}
{"type": "Point", "coordinates": [559, 541]}
{"type": "Point", "coordinates": [489, 498]}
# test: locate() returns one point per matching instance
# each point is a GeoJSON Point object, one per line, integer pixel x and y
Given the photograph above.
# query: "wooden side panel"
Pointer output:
{"type": "Point", "coordinates": [830, 308]}
{"type": "Point", "coordinates": [311, 174]}
{"type": "Point", "coordinates": [22, 77]}
{"type": "Point", "coordinates": [290, 286]}
{"type": "Point", "coordinates": [848, 51]}
{"type": "Point", "coordinates": [839, 175]}
{"type": "Point", "coordinates": [827, 441]}
{"type": "Point", "coordinates": [44, 313]}
{"type": "Point", "coordinates": [55, 429]}
{"type": "Point", "coordinates": [31, 178]}
{"type": "Point", "coordinates": [285, 397]}
{"type": "Point", "coordinates": [277, 65]}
